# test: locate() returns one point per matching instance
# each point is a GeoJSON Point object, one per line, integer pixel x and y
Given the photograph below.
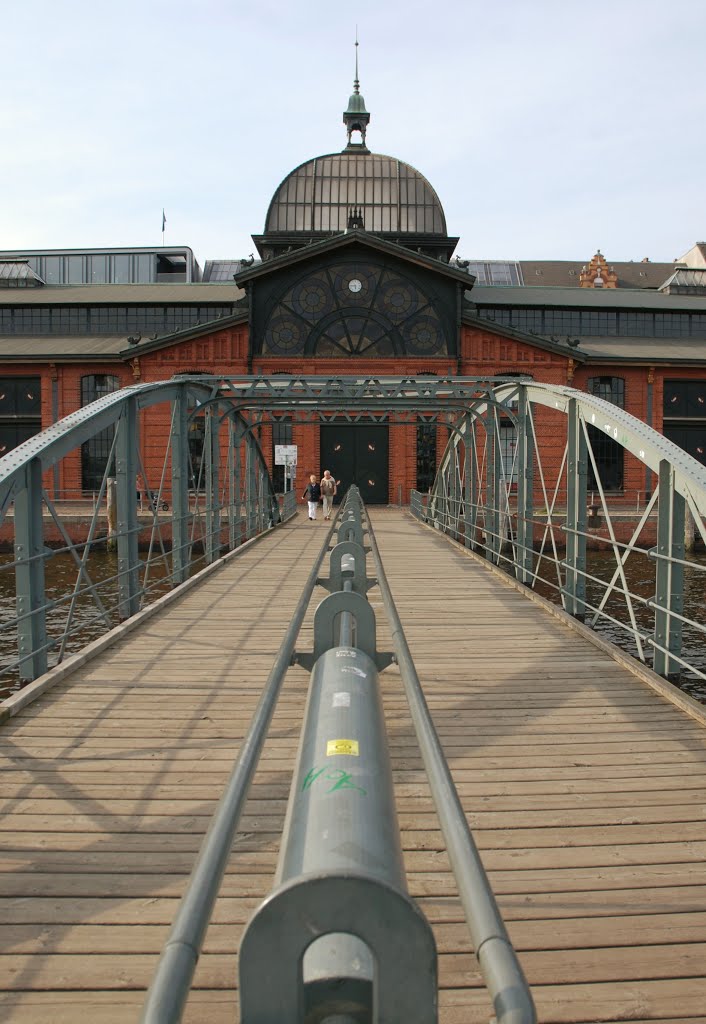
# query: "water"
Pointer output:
{"type": "Point", "coordinates": [87, 621]}
{"type": "Point", "coordinates": [640, 578]}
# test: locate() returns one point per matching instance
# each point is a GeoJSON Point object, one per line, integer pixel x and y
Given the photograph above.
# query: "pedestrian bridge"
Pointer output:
{"type": "Point", "coordinates": [581, 773]}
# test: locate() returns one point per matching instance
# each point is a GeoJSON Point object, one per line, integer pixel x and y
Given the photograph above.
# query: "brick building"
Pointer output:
{"type": "Point", "coordinates": [356, 276]}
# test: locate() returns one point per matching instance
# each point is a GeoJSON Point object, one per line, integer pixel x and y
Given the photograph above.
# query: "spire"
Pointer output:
{"type": "Point", "coordinates": [356, 117]}
{"type": "Point", "coordinates": [356, 83]}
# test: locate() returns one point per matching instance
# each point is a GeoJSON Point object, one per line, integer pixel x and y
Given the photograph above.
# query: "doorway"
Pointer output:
{"type": "Point", "coordinates": [357, 454]}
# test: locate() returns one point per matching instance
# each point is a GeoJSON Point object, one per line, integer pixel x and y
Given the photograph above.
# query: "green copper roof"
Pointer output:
{"type": "Point", "coordinates": [356, 104]}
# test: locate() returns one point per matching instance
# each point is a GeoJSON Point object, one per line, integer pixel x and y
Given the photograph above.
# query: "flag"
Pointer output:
{"type": "Point", "coordinates": [164, 221]}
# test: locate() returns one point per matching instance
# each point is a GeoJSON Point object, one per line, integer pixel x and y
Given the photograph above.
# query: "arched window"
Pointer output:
{"type": "Point", "coordinates": [356, 308]}
{"type": "Point", "coordinates": [96, 451]}
{"type": "Point", "coordinates": [607, 452]}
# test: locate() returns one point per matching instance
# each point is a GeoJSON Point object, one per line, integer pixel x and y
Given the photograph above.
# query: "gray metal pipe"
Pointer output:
{"type": "Point", "coordinates": [341, 817]}
{"type": "Point", "coordinates": [346, 636]}
{"type": "Point", "coordinates": [341, 814]}
{"type": "Point", "coordinates": [325, 945]}
{"type": "Point", "coordinates": [340, 906]}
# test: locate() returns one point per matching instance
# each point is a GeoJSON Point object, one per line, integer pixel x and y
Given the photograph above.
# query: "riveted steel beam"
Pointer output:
{"type": "Point", "coordinates": [669, 575]}
{"type": "Point", "coordinates": [29, 573]}
{"type": "Point", "coordinates": [524, 562]}
{"type": "Point", "coordinates": [574, 591]}
{"type": "Point", "coordinates": [212, 455]}
{"type": "Point", "coordinates": [181, 547]}
{"type": "Point", "coordinates": [126, 489]}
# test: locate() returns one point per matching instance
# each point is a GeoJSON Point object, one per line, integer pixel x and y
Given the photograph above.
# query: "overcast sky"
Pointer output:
{"type": "Point", "coordinates": [549, 128]}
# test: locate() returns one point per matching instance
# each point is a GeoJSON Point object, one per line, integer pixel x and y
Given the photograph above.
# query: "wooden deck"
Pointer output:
{"type": "Point", "coordinates": [585, 788]}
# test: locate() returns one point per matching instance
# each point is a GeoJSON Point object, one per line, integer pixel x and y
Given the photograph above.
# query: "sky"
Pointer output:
{"type": "Point", "coordinates": [548, 128]}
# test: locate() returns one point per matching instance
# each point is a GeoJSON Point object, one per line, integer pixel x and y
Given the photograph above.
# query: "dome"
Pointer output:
{"type": "Point", "coordinates": [320, 195]}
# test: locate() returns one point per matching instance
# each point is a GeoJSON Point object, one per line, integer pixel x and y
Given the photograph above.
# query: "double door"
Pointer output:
{"type": "Point", "coordinates": [357, 454]}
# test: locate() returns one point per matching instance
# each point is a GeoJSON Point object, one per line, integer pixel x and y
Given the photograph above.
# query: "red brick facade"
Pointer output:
{"type": "Point", "coordinates": [481, 353]}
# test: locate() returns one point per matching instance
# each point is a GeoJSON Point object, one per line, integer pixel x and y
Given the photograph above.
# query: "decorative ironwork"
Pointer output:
{"type": "Point", "coordinates": [355, 308]}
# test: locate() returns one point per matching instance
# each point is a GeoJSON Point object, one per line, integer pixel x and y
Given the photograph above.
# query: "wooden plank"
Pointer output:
{"type": "Point", "coordinates": [627, 905]}
{"type": "Point", "coordinates": [20, 814]}
{"type": "Point", "coordinates": [579, 934]}
{"type": "Point", "coordinates": [118, 971]}
{"type": "Point", "coordinates": [586, 791]}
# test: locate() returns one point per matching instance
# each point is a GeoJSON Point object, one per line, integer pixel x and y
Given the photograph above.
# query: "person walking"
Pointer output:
{"type": "Point", "coordinates": [328, 492]}
{"type": "Point", "coordinates": [312, 493]}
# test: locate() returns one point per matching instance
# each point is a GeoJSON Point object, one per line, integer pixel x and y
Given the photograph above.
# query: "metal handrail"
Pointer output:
{"type": "Point", "coordinates": [324, 942]}
{"type": "Point", "coordinates": [501, 969]}
{"type": "Point", "coordinates": [168, 992]}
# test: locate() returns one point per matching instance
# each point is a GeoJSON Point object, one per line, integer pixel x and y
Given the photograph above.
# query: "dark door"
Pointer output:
{"type": "Point", "coordinates": [689, 436]}
{"type": "Point", "coordinates": [357, 454]}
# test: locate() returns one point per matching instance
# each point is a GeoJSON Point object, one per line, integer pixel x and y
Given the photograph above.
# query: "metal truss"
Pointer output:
{"type": "Point", "coordinates": [518, 494]}
{"type": "Point", "coordinates": [503, 488]}
{"type": "Point", "coordinates": [206, 489]}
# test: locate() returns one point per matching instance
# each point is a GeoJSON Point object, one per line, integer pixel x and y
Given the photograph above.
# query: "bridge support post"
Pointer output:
{"type": "Point", "coordinates": [576, 472]}
{"type": "Point", "coordinates": [239, 506]}
{"type": "Point", "coordinates": [213, 504]}
{"type": "Point", "coordinates": [232, 492]}
{"type": "Point", "coordinates": [263, 504]}
{"type": "Point", "coordinates": [126, 490]}
{"type": "Point", "coordinates": [470, 484]}
{"type": "Point", "coordinates": [492, 486]}
{"type": "Point", "coordinates": [524, 559]}
{"type": "Point", "coordinates": [29, 574]}
{"type": "Point", "coordinates": [454, 492]}
{"type": "Point", "coordinates": [180, 488]}
{"type": "Point", "coordinates": [669, 574]}
{"type": "Point", "coordinates": [250, 489]}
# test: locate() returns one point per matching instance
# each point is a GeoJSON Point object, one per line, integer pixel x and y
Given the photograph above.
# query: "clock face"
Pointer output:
{"type": "Point", "coordinates": [354, 285]}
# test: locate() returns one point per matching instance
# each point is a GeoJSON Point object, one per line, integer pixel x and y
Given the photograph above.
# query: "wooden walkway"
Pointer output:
{"type": "Point", "coordinates": [585, 788]}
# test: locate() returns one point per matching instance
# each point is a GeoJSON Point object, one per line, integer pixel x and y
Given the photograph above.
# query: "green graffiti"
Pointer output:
{"type": "Point", "coordinates": [340, 779]}
{"type": "Point", "coordinates": [344, 781]}
{"type": "Point", "coordinates": [311, 776]}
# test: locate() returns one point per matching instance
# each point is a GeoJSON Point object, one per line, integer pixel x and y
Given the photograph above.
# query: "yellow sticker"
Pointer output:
{"type": "Point", "coordinates": [342, 747]}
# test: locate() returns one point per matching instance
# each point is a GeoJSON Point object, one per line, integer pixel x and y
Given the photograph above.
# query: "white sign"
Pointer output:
{"type": "Point", "coordinates": [285, 455]}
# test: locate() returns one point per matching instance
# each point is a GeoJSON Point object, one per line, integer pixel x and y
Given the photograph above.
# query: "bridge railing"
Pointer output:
{"type": "Point", "coordinates": [521, 497]}
{"type": "Point", "coordinates": [521, 481]}
{"type": "Point", "coordinates": [326, 943]}
{"type": "Point", "coordinates": [167, 502]}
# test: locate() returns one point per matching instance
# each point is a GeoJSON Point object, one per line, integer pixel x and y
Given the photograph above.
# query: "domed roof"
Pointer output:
{"type": "Point", "coordinates": [321, 194]}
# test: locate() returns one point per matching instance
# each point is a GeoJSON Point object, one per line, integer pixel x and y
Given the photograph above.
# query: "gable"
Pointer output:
{"type": "Point", "coordinates": [354, 300]}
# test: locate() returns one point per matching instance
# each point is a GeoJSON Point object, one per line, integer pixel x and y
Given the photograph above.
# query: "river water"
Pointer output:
{"type": "Point", "coordinates": [640, 578]}
{"type": "Point", "coordinates": [88, 624]}
{"type": "Point", "coordinates": [87, 621]}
